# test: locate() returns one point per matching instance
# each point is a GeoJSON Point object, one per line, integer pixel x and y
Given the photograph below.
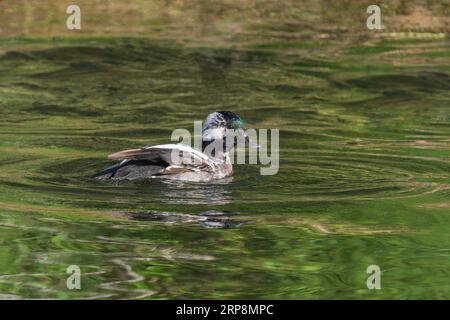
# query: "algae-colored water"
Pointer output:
{"type": "Point", "coordinates": [364, 170]}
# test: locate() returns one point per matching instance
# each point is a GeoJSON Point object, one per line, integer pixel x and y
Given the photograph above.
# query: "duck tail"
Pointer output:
{"type": "Point", "coordinates": [107, 173]}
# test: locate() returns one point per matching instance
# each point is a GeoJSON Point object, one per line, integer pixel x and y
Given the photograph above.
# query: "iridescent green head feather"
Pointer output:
{"type": "Point", "coordinates": [223, 119]}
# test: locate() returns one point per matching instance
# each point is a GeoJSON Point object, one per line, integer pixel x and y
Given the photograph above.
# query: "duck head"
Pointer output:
{"type": "Point", "coordinates": [217, 127]}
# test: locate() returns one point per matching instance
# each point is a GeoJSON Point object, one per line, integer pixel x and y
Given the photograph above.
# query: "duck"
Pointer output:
{"type": "Point", "coordinates": [158, 161]}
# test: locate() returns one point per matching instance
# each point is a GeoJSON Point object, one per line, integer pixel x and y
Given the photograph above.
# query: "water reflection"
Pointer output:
{"type": "Point", "coordinates": [209, 219]}
{"type": "Point", "coordinates": [214, 193]}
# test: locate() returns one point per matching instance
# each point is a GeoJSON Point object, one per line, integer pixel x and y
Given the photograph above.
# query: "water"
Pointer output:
{"type": "Point", "coordinates": [364, 170]}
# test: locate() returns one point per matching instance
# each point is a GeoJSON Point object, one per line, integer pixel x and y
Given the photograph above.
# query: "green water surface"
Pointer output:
{"type": "Point", "coordinates": [364, 171]}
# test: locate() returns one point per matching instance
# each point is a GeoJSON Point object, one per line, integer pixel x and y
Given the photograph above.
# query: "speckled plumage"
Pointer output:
{"type": "Point", "coordinates": [156, 162]}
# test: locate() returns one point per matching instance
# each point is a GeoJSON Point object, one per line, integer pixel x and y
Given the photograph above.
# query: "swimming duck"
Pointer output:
{"type": "Point", "coordinates": [192, 165]}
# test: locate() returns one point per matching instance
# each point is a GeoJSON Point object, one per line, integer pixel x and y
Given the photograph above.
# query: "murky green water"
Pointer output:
{"type": "Point", "coordinates": [364, 171]}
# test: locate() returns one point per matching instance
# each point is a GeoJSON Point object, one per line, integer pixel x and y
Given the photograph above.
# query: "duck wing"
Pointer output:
{"type": "Point", "coordinates": [179, 158]}
{"type": "Point", "coordinates": [131, 170]}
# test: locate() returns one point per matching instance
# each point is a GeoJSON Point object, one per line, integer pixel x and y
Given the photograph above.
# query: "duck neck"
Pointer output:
{"type": "Point", "coordinates": [216, 149]}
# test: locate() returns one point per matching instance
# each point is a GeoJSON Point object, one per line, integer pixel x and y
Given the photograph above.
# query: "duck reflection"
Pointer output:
{"type": "Point", "coordinates": [184, 193]}
{"type": "Point", "coordinates": [208, 219]}
{"type": "Point", "coordinates": [213, 193]}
